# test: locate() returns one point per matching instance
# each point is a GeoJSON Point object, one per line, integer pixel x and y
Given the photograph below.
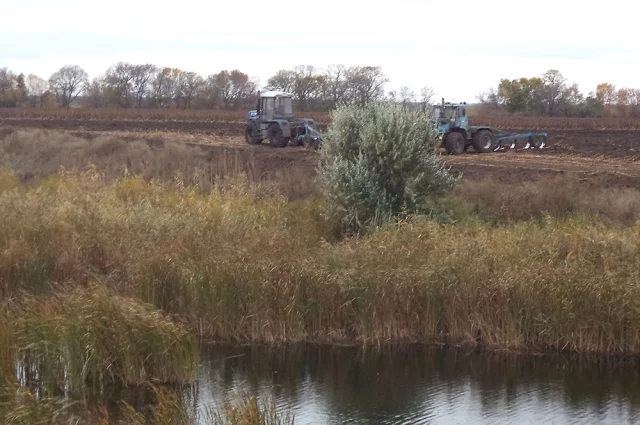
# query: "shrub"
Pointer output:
{"type": "Point", "coordinates": [379, 162]}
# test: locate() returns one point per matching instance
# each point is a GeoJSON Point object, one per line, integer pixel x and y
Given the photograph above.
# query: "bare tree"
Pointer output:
{"type": "Point", "coordinates": [407, 95]}
{"type": "Point", "coordinates": [365, 83]}
{"type": "Point", "coordinates": [142, 78]}
{"type": "Point", "coordinates": [284, 80]}
{"type": "Point", "coordinates": [224, 87]}
{"type": "Point", "coordinates": [210, 93]}
{"type": "Point", "coordinates": [36, 87]}
{"type": "Point", "coordinates": [189, 84]}
{"type": "Point", "coordinates": [119, 84]}
{"type": "Point", "coordinates": [242, 88]}
{"type": "Point", "coordinates": [304, 82]}
{"type": "Point", "coordinates": [68, 83]}
{"type": "Point", "coordinates": [308, 84]}
{"type": "Point", "coordinates": [554, 86]}
{"type": "Point", "coordinates": [336, 83]}
{"type": "Point", "coordinates": [164, 86]}
{"type": "Point", "coordinates": [94, 93]}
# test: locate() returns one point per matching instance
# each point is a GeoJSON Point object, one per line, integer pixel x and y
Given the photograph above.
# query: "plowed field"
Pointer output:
{"type": "Point", "coordinates": [604, 157]}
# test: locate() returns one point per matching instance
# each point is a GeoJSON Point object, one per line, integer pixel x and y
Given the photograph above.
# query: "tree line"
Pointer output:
{"type": "Point", "coordinates": [553, 95]}
{"type": "Point", "coordinates": [127, 85]}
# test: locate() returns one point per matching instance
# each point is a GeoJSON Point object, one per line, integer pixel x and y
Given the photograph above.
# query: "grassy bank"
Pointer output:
{"type": "Point", "coordinates": [230, 265]}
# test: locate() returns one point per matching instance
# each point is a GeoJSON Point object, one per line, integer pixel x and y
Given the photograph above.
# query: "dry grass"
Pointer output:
{"type": "Point", "coordinates": [40, 154]}
{"type": "Point", "coordinates": [564, 196]}
{"type": "Point", "coordinates": [35, 155]}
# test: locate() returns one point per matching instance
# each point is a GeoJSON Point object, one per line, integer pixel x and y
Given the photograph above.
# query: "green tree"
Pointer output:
{"type": "Point", "coordinates": [379, 163]}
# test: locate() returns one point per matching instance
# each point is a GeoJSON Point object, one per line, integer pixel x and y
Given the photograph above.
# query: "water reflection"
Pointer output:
{"type": "Point", "coordinates": [424, 385]}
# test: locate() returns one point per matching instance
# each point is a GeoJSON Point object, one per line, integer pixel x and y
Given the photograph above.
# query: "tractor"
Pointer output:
{"type": "Point", "coordinates": [273, 120]}
{"type": "Point", "coordinates": [457, 135]}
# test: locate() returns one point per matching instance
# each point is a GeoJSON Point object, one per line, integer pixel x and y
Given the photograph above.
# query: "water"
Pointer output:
{"type": "Point", "coordinates": [421, 385]}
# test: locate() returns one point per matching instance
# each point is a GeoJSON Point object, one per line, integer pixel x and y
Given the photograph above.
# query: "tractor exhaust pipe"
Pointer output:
{"type": "Point", "coordinates": [258, 100]}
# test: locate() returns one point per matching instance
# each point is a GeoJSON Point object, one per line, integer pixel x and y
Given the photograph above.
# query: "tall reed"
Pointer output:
{"type": "Point", "coordinates": [85, 340]}
{"type": "Point", "coordinates": [231, 264]}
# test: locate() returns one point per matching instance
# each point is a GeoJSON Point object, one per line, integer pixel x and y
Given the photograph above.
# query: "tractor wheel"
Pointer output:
{"type": "Point", "coordinates": [275, 136]}
{"type": "Point", "coordinates": [248, 136]}
{"type": "Point", "coordinates": [454, 143]}
{"type": "Point", "coordinates": [483, 141]}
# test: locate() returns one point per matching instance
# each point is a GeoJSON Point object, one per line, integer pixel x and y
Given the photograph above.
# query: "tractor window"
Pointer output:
{"type": "Point", "coordinates": [268, 105]}
{"type": "Point", "coordinates": [450, 113]}
{"type": "Point", "coordinates": [463, 112]}
{"type": "Point", "coordinates": [283, 106]}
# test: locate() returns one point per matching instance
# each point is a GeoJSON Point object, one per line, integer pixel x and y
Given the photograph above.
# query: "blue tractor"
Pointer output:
{"type": "Point", "coordinates": [457, 135]}
{"type": "Point", "coordinates": [273, 120]}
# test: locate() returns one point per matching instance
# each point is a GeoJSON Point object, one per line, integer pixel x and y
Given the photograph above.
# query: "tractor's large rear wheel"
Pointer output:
{"type": "Point", "coordinates": [454, 143]}
{"type": "Point", "coordinates": [275, 136]}
{"type": "Point", "coordinates": [483, 141]}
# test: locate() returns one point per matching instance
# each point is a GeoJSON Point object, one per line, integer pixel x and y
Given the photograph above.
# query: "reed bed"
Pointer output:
{"type": "Point", "coordinates": [89, 339]}
{"type": "Point", "coordinates": [230, 265]}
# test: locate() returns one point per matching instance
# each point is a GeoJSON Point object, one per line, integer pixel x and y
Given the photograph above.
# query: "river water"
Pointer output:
{"type": "Point", "coordinates": [422, 385]}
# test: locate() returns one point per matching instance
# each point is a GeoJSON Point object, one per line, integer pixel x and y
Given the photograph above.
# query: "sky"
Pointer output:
{"type": "Point", "coordinates": [459, 48]}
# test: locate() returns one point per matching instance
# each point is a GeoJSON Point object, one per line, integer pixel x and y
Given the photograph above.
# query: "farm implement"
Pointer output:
{"type": "Point", "coordinates": [457, 135]}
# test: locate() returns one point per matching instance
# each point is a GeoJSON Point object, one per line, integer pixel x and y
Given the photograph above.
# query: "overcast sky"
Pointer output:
{"type": "Point", "coordinates": [460, 48]}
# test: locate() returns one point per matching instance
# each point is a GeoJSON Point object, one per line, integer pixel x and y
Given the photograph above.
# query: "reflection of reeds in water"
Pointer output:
{"type": "Point", "coordinates": [165, 406]}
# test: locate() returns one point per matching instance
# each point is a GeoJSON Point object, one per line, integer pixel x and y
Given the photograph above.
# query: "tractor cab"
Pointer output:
{"type": "Point", "coordinates": [449, 116]}
{"type": "Point", "coordinates": [273, 105]}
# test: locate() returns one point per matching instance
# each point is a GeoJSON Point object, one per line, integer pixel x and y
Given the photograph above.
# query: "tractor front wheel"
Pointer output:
{"type": "Point", "coordinates": [483, 141]}
{"type": "Point", "coordinates": [275, 136]}
{"type": "Point", "coordinates": [249, 136]}
{"type": "Point", "coordinates": [454, 143]}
